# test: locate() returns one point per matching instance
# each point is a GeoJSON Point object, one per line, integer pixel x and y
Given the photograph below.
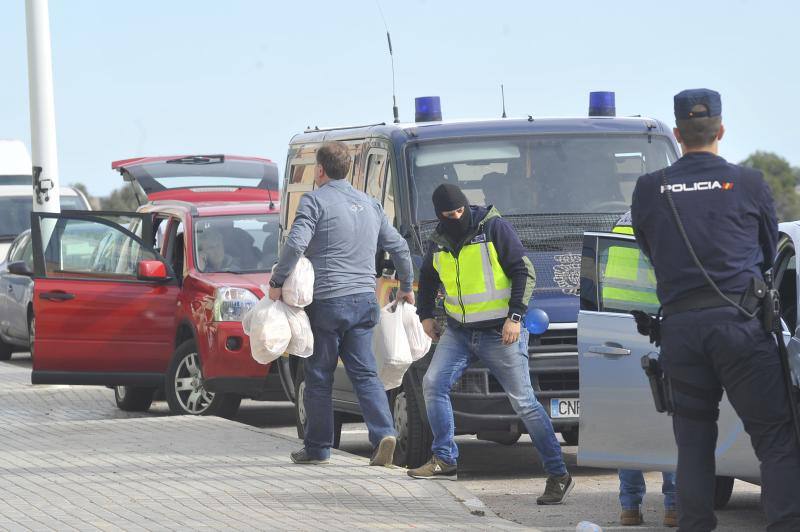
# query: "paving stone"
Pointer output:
{"type": "Point", "coordinates": [69, 459]}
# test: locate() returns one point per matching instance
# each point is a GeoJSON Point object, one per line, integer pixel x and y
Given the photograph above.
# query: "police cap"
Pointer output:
{"type": "Point", "coordinates": [686, 100]}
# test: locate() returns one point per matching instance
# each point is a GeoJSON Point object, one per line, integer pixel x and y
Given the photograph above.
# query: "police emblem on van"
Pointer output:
{"type": "Point", "coordinates": [567, 272]}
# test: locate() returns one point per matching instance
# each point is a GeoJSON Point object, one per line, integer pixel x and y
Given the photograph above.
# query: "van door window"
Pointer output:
{"type": "Point", "coordinates": [626, 280]}
{"type": "Point", "coordinates": [388, 197]}
{"type": "Point", "coordinates": [376, 171]}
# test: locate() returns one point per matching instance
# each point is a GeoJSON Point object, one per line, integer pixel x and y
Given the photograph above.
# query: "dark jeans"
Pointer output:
{"type": "Point", "coordinates": [342, 328]}
{"type": "Point", "coordinates": [718, 347]}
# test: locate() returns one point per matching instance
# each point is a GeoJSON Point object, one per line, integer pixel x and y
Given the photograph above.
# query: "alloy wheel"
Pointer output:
{"type": "Point", "coordinates": [301, 407]}
{"type": "Point", "coordinates": [189, 388]}
{"type": "Point", "coordinates": [401, 420]}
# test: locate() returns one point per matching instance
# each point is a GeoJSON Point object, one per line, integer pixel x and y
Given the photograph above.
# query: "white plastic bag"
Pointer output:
{"type": "Point", "coordinates": [390, 345]}
{"type": "Point", "coordinates": [267, 326]}
{"type": "Point", "coordinates": [302, 342]}
{"type": "Point", "coordinates": [418, 341]}
{"type": "Point", "coordinates": [298, 288]}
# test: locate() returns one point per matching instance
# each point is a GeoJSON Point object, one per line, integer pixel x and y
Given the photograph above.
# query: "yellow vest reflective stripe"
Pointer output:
{"type": "Point", "coordinates": [476, 287]}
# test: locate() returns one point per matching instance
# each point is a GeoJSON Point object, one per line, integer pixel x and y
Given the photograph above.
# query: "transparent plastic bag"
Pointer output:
{"type": "Point", "coordinates": [390, 345]}
{"type": "Point", "coordinates": [418, 341]}
{"type": "Point", "coordinates": [267, 326]}
{"type": "Point", "coordinates": [298, 288]}
{"type": "Point", "coordinates": [302, 342]}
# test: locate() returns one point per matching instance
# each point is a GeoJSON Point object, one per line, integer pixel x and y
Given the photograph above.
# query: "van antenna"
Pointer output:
{"type": "Point", "coordinates": [503, 97]}
{"type": "Point", "coordinates": [269, 196]}
{"type": "Point", "coordinates": [391, 57]}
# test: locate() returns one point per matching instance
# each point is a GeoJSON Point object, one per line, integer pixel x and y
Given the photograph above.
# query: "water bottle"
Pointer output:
{"type": "Point", "coordinates": [588, 526]}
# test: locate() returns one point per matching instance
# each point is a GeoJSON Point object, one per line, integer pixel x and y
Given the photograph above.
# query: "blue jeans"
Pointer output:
{"type": "Point", "coordinates": [342, 327]}
{"type": "Point", "coordinates": [632, 489]}
{"type": "Point", "coordinates": [460, 346]}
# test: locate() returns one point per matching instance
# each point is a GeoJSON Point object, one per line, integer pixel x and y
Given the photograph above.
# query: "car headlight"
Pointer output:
{"type": "Point", "coordinates": [231, 304]}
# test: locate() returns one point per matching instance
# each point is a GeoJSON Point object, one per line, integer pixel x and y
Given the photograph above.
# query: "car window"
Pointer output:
{"type": "Point", "coordinates": [626, 280]}
{"type": "Point", "coordinates": [376, 170]}
{"type": "Point", "coordinates": [388, 198]}
{"type": "Point", "coordinates": [79, 247]}
{"type": "Point", "coordinates": [18, 251]}
{"type": "Point", "coordinates": [236, 243]}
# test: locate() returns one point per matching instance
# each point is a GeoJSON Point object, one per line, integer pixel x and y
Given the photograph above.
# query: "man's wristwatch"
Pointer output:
{"type": "Point", "coordinates": [273, 284]}
{"type": "Point", "coordinates": [516, 318]}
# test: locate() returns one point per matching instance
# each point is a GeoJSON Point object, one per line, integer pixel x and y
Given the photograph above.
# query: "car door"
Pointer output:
{"type": "Point", "coordinates": [619, 426]}
{"type": "Point", "coordinates": [6, 290]}
{"type": "Point", "coordinates": [104, 300]}
{"type": "Point", "coordinates": [19, 291]}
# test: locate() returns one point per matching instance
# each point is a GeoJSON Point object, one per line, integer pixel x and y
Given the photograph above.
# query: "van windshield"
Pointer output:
{"type": "Point", "coordinates": [539, 174]}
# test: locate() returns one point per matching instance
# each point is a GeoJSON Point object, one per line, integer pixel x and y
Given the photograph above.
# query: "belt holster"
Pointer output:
{"type": "Point", "coordinates": [662, 396]}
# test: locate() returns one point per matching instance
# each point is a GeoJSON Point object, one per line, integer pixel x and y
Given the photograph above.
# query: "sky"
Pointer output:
{"type": "Point", "coordinates": [158, 77]}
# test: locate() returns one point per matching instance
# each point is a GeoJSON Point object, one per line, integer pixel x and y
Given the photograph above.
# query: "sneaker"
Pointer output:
{"type": "Point", "coordinates": [556, 489]}
{"type": "Point", "coordinates": [435, 469]}
{"type": "Point", "coordinates": [631, 517]}
{"type": "Point", "coordinates": [301, 457]}
{"type": "Point", "coordinates": [384, 453]}
{"type": "Point", "coordinates": [670, 517]}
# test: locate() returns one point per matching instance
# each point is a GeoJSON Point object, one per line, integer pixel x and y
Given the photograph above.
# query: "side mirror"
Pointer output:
{"type": "Point", "coordinates": [19, 268]}
{"type": "Point", "coordinates": [153, 270]}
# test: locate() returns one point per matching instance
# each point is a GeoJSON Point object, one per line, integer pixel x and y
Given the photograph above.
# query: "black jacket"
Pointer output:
{"type": "Point", "coordinates": [510, 253]}
{"type": "Point", "coordinates": [729, 216]}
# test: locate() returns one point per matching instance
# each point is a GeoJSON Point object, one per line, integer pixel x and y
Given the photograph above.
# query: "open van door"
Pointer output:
{"type": "Point", "coordinates": [619, 425]}
{"type": "Point", "coordinates": [104, 300]}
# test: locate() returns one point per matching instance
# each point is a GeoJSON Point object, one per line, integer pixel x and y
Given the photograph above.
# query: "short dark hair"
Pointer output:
{"type": "Point", "coordinates": [335, 159]}
{"type": "Point", "coordinates": [699, 132]}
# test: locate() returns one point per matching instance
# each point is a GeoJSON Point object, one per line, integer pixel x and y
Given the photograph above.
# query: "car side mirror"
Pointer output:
{"type": "Point", "coordinates": [19, 268]}
{"type": "Point", "coordinates": [153, 270]}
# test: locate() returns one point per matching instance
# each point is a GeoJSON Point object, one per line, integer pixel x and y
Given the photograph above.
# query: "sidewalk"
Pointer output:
{"type": "Point", "coordinates": [70, 460]}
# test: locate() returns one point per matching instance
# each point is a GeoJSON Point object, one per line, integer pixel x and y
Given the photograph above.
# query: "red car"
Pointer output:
{"type": "Point", "coordinates": [152, 301]}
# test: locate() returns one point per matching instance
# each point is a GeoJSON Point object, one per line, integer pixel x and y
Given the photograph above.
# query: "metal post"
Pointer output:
{"type": "Point", "coordinates": [44, 154]}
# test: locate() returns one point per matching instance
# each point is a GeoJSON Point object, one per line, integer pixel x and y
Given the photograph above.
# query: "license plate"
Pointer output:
{"type": "Point", "coordinates": [560, 408]}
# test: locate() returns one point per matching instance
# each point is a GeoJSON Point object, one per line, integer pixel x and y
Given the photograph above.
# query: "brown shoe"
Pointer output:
{"type": "Point", "coordinates": [384, 452]}
{"type": "Point", "coordinates": [670, 518]}
{"type": "Point", "coordinates": [631, 517]}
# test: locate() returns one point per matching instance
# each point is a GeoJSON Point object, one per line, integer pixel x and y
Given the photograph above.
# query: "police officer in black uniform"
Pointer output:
{"type": "Point", "coordinates": [707, 344]}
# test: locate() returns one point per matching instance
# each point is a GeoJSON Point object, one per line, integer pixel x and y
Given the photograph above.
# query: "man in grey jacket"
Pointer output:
{"type": "Point", "coordinates": [340, 230]}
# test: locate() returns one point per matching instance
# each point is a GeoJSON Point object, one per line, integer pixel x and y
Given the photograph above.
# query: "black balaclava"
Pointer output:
{"type": "Point", "coordinates": [449, 198]}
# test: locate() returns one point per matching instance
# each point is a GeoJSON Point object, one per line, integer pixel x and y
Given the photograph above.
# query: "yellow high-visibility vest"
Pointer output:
{"type": "Point", "coordinates": [628, 278]}
{"type": "Point", "coordinates": [476, 287]}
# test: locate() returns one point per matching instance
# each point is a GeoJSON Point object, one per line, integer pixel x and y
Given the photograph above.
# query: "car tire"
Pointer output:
{"type": "Point", "coordinates": [31, 333]}
{"type": "Point", "coordinates": [723, 489]}
{"type": "Point", "coordinates": [509, 438]}
{"type": "Point", "coordinates": [570, 436]}
{"type": "Point", "coordinates": [414, 437]}
{"type": "Point", "coordinates": [133, 399]}
{"type": "Point", "coordinates": [300, 411]}
{"type": "Point", "coordinates": [184, 388]}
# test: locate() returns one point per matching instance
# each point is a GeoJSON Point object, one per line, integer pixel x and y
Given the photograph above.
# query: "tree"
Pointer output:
{"type": "Point", "coordinates": [781, 178]}
{"type": "Point", "coordinates": [121, 199]}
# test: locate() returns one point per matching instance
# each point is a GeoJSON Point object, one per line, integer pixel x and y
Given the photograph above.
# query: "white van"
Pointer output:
{"type": "Point", "coordinates": [15, 163]}
{"type": "Point", "coordinates": [16, 193]}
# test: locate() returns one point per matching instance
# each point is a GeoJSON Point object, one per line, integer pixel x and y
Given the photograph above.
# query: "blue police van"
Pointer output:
{"type": "Point", "coordinates": [552, 178]}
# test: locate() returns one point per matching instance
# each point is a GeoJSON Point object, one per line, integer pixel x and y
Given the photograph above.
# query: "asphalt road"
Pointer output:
{"type": "Point", "coordinates": [509, 478]}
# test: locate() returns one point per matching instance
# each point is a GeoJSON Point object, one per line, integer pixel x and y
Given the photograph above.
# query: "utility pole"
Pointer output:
{"type": "Point", "coordinates": [46, 197]}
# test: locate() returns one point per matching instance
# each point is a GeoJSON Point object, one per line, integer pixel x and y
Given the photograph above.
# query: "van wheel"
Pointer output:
{"type": "Point", "coordinates": [414, 437]}
{"type": "Point", "coordinates": [300, 410]}
{"type": "Point", "coordinates": [570, 436]}
{"type": "Point", "coordinates": [723, 489]}
{"type": "Point", "coordinates": [133, 399]}
{"type": "Point", "coordinates": [185, 391]}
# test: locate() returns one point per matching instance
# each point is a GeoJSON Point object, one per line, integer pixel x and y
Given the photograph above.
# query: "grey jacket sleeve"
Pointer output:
{"type": "Point", "coordinates": [390, 240]}
{"type": "Point", "coordinates": [305, 223]}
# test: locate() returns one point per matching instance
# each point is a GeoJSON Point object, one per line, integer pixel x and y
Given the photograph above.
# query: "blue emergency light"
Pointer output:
{"type": "Point", "coordinates": [536, 321]}
{"type": "Point", "coordinates": [601, 103]}
{"type": "Point", "coordinates": [427, 109]}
